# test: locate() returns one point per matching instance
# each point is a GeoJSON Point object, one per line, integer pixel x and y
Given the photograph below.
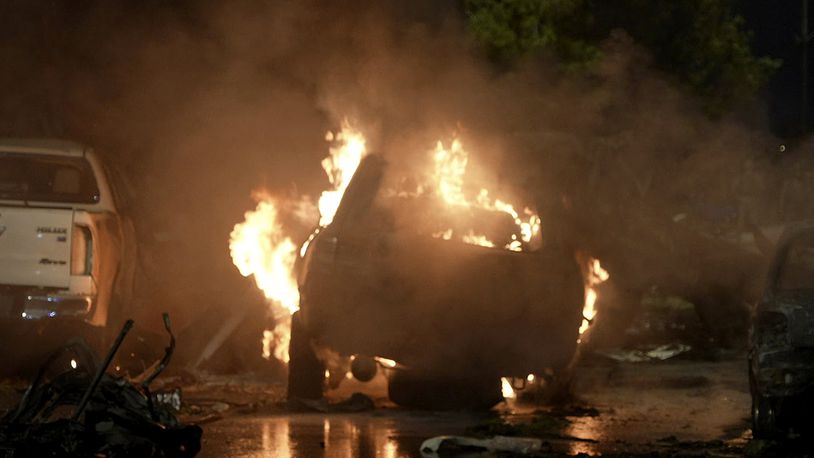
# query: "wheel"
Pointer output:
{"type": "Point", "coordinates": [421, 391]}
{"type": "Point", "coordinates": [306, 373]}
{"type": "Point", "coordinates": [765, 423]}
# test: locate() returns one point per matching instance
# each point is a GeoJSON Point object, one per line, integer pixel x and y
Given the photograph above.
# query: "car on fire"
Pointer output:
{"type": "Point", "coordinates": [386, 282]}
{"type": "Point", "coordinates": [781, 347]}
{"type": "Point", "coordinates": [62, 240]}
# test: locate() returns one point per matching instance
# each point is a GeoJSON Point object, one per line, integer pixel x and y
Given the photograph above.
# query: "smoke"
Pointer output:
{"type": "Point", "coordinates": [199, 103]}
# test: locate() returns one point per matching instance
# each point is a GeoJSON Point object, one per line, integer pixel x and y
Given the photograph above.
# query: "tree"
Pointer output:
{"type": "Point", "coordinates": [511, 29]}
{"type": "Point", "coordinates": [701, 42]}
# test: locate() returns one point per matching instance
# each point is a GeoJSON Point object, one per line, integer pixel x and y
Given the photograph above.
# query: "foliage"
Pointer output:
{"type": "Point", "coordinates": [510, 29]}
{"type": "Point", "coordinates": [701, 42]}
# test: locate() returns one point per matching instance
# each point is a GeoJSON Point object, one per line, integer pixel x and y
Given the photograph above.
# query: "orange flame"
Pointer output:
{"type": "Point", "coordinates": [596, 276]}
{"type": "Point", "coordinates": [507, 389]}
{"type": "Point", "coordinates": [340, 165]}
{"type": "Point", "coordinates": [450, 170]}
{"type": "Point", "coordinates": [260, 248]}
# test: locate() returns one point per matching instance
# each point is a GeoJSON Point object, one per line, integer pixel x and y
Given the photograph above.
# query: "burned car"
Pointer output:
{"type": "Point", "coordinates": [781, 349]}
{"type": "Point", "coordinates": [388, 279]}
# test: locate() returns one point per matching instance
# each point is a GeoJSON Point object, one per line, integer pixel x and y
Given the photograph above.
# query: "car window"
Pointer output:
{"type": "Point", "coordinates": [797, 269]}
{"type": "Point", "coordinates": [44, 178]}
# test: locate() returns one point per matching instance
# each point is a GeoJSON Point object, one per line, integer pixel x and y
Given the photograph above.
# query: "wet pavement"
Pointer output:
{"type": "Point", "coordinates": [623, 408]}
{"type": "Point", "coordinates": [378, 434]}
{"type": "Point", "coordinates": [665, 408]}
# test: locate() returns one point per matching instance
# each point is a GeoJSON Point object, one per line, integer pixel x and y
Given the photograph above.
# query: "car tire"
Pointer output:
{"type": "Point", "coordinates": [420, 391]}
{"type": "Point", "coordinates": [306, 373]}
{"type": "Point", "coordinates": [765, 424]}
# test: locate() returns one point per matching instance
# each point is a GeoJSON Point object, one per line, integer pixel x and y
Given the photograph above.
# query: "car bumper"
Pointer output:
{"type": "Point", "coordinates": [40, 305]}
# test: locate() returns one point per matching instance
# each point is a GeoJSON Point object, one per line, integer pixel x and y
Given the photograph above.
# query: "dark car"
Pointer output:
{"type": "Point", "coordinates": [781, 353]}
{"type": "Point", "coordinates": [382, 281]}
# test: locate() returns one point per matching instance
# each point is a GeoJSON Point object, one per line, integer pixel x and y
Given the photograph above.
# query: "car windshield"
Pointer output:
{"type": "Point", "coordinates": [45, 178]}
{"type": "Point", "coordinates": [797, 270]}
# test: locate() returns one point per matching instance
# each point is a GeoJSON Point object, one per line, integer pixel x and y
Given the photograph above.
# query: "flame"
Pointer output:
{"type": "Point", "coordinates": [596, 276]}
{"type": "Point", "coordinates": [385, 362]}
{"type": "Point", "coordinates": [450, 168]}
{"type": "Point", "coordinates": [474, 239]}
{"type": "Point", "coordinates": [260, 248]}
{"type": "Point", "coordinates": [507, 389]}
{"type": "Point", "coordinates": [268, 343]}
{"type": "Point", "coordinates": [449, 173]}
{"type": "Point", "coordinates": [340, 165]}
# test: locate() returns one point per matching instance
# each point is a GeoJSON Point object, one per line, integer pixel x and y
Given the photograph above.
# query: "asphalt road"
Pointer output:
{"type": "Point", "coordinates": [625, 408]}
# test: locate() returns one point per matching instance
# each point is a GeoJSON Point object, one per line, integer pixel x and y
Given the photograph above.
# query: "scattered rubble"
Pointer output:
{"type": "Point", "coordinates": [659, 353]}
{"type": "Point", "coordinates": [456, 444]}
{"type": "Point", "coordinates": [80, 410]}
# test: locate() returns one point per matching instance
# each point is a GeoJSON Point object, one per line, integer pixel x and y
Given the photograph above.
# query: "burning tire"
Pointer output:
{"type": "Point", "coordinates": [421, 391]}
{"type": "Point", "coordinates": [306, 373]}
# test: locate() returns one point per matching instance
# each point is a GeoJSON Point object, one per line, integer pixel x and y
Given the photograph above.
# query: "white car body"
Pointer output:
{"type": "Point", "coordinates": [61, 239]}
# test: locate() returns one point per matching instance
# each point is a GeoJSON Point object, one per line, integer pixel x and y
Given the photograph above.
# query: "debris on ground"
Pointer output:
{"type": "Point", "coordinates": [540, 425]}
{"type": "Point", "coordinates": [458, 444]}
{"type": "Point", "coordinates": [84, 411]}
{"type": "Point", "coordinates": [638, 355]}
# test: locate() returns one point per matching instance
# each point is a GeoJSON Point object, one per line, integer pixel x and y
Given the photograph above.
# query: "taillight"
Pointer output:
{"type": "Point", "coordinates": [81, 250]}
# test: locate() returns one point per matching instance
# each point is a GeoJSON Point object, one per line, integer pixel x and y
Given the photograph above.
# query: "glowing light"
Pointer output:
{"type": "Point", "coordinates": [340, 165]}
{"type": "Point", "coordinates": [507, 389]}
{"type": "Point", "coordinates": [474, 239]}
{"type": "Point", "coordinates": [449, 177]}
{"type": "Point", "coordinates": [74, 365]}
{"type": "Point", "coordinates": [596, 276]}
{"type": "Point", "coordinates": [260, 248]}
{"type": "Point", "coordinates": [385, 362]}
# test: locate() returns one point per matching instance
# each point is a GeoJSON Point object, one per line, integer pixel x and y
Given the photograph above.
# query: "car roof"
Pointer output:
{"type": "Point", "coordinates": [43, 146]}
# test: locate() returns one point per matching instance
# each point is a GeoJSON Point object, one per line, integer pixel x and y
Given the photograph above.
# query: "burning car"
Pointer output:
{"type": "Point", "coordinates": [61, 238]}
{"type": "Point", "coordinates": [449, 296]}
{"type": "Point", "coordinates": [781, 373]}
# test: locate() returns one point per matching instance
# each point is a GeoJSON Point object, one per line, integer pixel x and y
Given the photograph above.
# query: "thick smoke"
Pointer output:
{"type": "Point", "coordinates": [199, 103]}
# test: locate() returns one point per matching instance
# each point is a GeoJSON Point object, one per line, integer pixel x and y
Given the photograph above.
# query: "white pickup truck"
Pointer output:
{"type": "Point", "coordinates": [62, 240]}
